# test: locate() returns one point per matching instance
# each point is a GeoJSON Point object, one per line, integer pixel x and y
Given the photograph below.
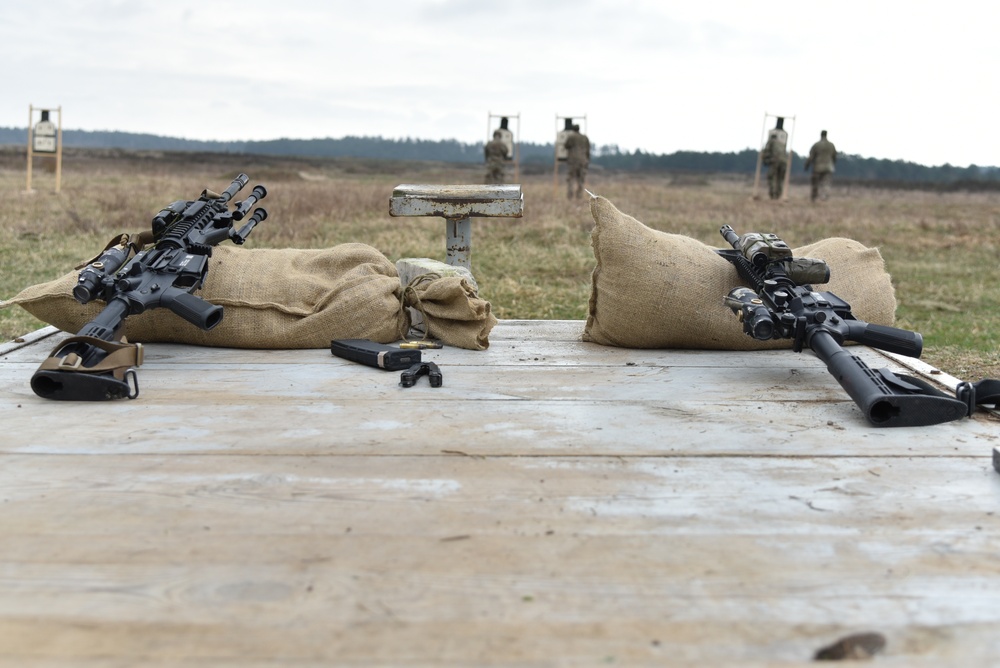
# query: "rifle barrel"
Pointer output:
{"type": "Point", "coordinates": [729, 234]}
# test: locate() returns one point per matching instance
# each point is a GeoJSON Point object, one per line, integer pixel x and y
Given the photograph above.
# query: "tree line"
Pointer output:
{"type": "Point", "coordinates": [850, 167]}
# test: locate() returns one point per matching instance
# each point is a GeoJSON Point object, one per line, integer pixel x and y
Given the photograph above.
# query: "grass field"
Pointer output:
{"type": "Point", "coordinates": [941, 249]}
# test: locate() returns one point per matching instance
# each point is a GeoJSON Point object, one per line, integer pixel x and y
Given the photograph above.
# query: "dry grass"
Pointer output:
{"type": "Point", "coordinates": [941, 249]}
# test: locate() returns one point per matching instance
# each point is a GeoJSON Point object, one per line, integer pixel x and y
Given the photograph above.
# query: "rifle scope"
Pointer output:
{"type": "Point", "coordinates": [755, 316]}
{"type": "Point", "coordinates": [93, 274]}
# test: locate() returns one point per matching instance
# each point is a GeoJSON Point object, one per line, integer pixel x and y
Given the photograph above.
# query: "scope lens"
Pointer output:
{"type": "Point", "coordinates": [83, 291]}
{"type": "Point", "coordinates": [760, 325]}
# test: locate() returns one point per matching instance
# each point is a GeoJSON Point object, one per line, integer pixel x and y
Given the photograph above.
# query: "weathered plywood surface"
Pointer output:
{"type": "Point", "coordinates": [555, 503]}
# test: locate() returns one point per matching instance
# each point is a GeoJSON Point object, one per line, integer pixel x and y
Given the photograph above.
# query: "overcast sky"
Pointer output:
{"type": "Point", "coordinates": [913, 81]}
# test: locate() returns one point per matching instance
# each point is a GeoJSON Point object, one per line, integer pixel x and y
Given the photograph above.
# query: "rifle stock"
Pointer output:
{"type": "Point", "coordinates": [885, 398]}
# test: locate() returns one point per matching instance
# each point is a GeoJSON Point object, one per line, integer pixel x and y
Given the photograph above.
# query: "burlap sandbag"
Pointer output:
{"type": "Point", "coordinates": [272, 298]}
{"type": "Point", "coordinates": [657, 290]}
{"type": "Point", "coordinates": [454, 312]}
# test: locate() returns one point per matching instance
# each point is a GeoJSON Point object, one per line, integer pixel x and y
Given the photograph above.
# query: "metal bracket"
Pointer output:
{"type": "Point", "coordinates": [71, 362]}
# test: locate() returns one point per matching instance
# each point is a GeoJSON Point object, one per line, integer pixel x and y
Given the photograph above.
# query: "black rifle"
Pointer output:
{"type": "Point", "coordinates": [96, 365]}
{"type": "Point", "coordinates": [780, 304]}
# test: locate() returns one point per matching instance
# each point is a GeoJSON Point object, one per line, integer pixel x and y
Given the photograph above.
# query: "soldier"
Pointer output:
{"type": "Point", "coordinates": [496, 153]}
{"type": "Point", "coordinates": [822, 157]}
{"type": "Point", "coordinates": [775, 157]}
{"type": "Point", "coordinates": [577, 161]}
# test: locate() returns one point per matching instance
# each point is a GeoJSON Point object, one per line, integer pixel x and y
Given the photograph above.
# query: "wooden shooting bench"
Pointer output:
{"type": "Point", "coordinates": [552, 503]}
{"type": "Point", "coordinates": [458, 205]}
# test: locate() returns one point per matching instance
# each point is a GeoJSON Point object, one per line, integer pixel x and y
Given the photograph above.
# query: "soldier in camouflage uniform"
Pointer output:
{"type": "Point", "coordinates": [822, 157]}
{"type": "Point", "coordinates": [775, 157]}
{"type": "Point", "coordinates": [496, 153]}
{"type": "Point", "coordinates": [577, 161]}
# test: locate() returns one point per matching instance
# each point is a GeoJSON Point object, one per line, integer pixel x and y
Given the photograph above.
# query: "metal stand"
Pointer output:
{"type": "Point", "coordinates": [516, 158]}
{"type": "Point", "coordinates": [458, 205]}
{"type": "Point", "coordinates": [760, 154]}
{"type": "Point", "coordinates": [57, 149]}
{"type": "Point", "coordinates": [560, 146]}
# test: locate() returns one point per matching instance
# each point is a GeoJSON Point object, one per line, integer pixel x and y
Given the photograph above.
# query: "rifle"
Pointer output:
{"type": "Point", "coordinates": [169, 263]}
{"type": "Point", "coordinates": [781, 304]}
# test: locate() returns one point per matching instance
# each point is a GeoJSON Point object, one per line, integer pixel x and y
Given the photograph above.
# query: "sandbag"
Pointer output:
{"type": "Point", "coordinates": [452, 309]}
{"type": "Point", "coordinates": [272, 299]}
{"type": "Point", "coordinates": [653, 289]}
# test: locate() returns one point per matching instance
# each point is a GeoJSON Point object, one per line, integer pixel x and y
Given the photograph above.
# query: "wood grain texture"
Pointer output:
{"type": "Point", "coordinates": [555, 503]}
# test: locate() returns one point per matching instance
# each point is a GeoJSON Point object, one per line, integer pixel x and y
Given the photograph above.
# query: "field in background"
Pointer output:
{"type": "Point", "coordinates": [941, 249]}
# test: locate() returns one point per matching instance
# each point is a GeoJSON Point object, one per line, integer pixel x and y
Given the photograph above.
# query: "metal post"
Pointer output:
{"type": "Point", "coordinates": [459, 243]}
{"type": "Point", "coordinates": [59, 151]}
{"type": "Point", "coordinates": [555, 162]}
{"type": "Point", "coordinates": [788, 172]}
{"type": "Point", "coordinates": [31, 118]}
{"type": "Point", "coordinates": [517, 151]}
{"type": "Point", "coordinates": [760, 156]}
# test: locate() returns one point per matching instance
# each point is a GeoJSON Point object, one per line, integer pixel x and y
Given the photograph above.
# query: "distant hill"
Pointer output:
{"type": "Point", "coordinates": [849, 167]}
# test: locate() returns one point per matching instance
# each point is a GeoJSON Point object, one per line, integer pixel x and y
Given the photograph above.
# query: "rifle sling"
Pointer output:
{"type": "Point", "coordinates": [986, 391]}
{"type": "Point", "coordinates": [121, 356]}
{"type": "Point", "coordinates": [133, 242]}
